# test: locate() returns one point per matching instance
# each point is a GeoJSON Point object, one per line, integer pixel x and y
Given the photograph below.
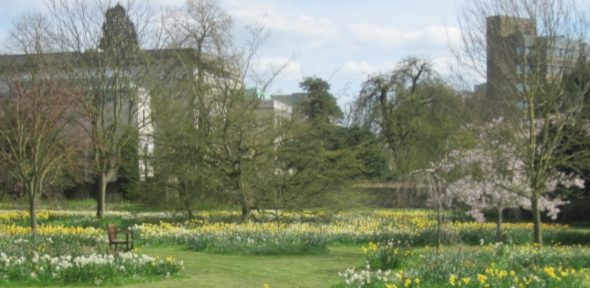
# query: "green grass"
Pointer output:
{"type": "Point", "coordinates": [214, 270]}
{"type": "Point", "coordinates": [210, 270]}
{"type": "Point", "coordinates": [77, 205]}
{"type": "Point", "coordinates": [89, 204]}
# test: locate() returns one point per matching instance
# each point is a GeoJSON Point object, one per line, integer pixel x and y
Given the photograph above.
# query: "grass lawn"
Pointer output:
{"type": "Point", "coordinates": [214, 270]}
{"type": "Point", "coordinates": [210, 270]}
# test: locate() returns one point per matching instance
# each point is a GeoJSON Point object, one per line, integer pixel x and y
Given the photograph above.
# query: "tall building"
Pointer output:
{"type": "Point", "coordinates": [502, 35]}
{"type": "Point", "coordinates": [519, 61]}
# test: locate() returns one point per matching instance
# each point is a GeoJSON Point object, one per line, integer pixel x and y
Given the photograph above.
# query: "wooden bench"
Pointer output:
{"type": "Point", "coordinates": [116, 241]}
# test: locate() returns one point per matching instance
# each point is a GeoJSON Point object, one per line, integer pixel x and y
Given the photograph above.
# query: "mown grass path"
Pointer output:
{"type": "Point", "coordinates": [213, 270]}
{"type": "Point", "coordinates": [228, 271]}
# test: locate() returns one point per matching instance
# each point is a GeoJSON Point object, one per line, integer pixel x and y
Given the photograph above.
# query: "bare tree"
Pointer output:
{"type": "Point", "coordinates": [38, 142]}
{"type": "Point", "coordinates": [526, 49]}
{"type": "Point", "coordinates": [110, 82]}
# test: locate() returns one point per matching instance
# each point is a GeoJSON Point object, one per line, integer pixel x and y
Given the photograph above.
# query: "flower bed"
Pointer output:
{"type": "Point", "coordinates": [296, 232]}
{"type": "Point", "coordinates": [92, 269]}
{"type": "Point", "coordinates": [487, 266]}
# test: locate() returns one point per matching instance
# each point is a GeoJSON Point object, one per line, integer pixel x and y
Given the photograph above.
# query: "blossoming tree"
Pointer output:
{"type": "Point", "coordinates": [496, 178]}
{"type": "Point", "coordinates": [542, 102]}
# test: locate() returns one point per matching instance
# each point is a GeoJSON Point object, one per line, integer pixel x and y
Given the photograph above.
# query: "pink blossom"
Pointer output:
{"type": "Point", "coordinates": [496, 177]}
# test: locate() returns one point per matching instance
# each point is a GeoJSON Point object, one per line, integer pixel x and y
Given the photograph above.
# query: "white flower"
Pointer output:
{"type": "Point", "coordinates": [33, 275]}
{"type": "Point", "coordinates": [122, 268]}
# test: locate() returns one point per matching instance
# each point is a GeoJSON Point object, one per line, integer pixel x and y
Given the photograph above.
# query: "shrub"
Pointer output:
{"type": "Point", "coordinates": [388, 255]}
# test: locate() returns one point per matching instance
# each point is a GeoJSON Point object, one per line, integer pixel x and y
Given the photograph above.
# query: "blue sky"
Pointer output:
{"type": "Point", "coordinates": [339, 40]}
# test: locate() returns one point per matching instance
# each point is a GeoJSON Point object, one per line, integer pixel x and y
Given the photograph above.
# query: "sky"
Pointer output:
{"type": "Point", "coordinates": [341, 41]}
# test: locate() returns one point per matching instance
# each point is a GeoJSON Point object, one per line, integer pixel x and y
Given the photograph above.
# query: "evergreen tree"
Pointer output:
{"type": "Point", "coordinates": [119, 38]}
{"type": "Point", "coordinates": [320, 105]}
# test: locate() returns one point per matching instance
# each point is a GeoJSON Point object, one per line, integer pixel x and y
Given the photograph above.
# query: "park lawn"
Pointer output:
{"type": "Point", "coordinates": [215, 270]}
{"type": "Point", "coordinates": [221, 270]}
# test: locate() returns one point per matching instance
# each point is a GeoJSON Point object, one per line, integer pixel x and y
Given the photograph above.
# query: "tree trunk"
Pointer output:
{"type": "Point", "coordinates": [101, 186]}
{"type": "Point", "coordinates": [537, 229]}
{"type": "Point", "coordinates": [499, 225]}
{"type": "Point", "coordinates": [439, 222]}
{"type": "Point", "coordinates": [245, 212]}
{"type": "Point", "coordinates": [33, 213]}
{"type": "Point", "coordinates": [187, 204]}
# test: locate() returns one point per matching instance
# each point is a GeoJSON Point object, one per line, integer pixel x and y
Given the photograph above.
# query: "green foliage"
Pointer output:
{"type": "Point", "coordinates": [319, 105]}
{"type": "Point", "coordinates": [313, 161]}
{"type": "Point", "coordinates": [128, 172]}
{"type": "Point", "coordinates": [55, 245]}
{"type": "Point", "coordinates": [317, 170]}
{"type": "Point", "coordinates": [71, 259]}
{"type": "Point", "coordinates": [262, 243]}
{"type": "Point", "coordinates": [366, 147]}
{"type": "Point", "coordinates": [387, 255]}
{"type": "Point", "coordinates": [119, 38]}
{"type": "Point", "coordinates": [414, 112]}
{"type": "Point", "coordinates": [489, 266]}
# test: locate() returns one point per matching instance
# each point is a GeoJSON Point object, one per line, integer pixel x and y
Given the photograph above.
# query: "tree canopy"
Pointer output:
{"type": "Point", "coordinates": [413, 111]}
{"type": "Point", "coordinates": [320, 105]}
{"type": "Point", "coordinates": [119, 37]}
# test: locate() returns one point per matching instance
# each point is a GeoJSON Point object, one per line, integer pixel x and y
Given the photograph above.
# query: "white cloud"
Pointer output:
{"type": "Point", "coordinates": [357, 68]}
{"type": "Point", "coordinates": [376, 34]}
{"type": "Point", "coordinates": [432, 35]}
{"type": "Point", "coordinates": [364, 67]}
{"type": "Point", "coordinates": [266, 66]}
{"type": "Point", "coordinates": [441, 65]}
{"type": "Point", "coordinates": [284, 23]}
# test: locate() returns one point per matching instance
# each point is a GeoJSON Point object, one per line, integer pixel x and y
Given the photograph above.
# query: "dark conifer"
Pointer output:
{"type": "Point", "coordinates": [119, 38]}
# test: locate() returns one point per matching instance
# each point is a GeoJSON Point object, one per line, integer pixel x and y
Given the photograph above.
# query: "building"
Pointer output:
{"type": "Point", "coordinates": [294, 100]}
{"type": "Point", "coordinates": [519, 61]}
{"type": "Point", "coordinates": [164, 65]}
{"type": "Point", "coordinates": [269, 104]}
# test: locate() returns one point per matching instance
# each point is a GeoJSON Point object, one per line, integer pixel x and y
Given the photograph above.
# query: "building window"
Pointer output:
{"type": "Point", "coordinates": [555, 70]}
{"type": "Point", "coordinates": [530, 69]}
{"type": "Point", "coordinates": [522, 105]}
{"type": "Point", "coordinates": [522, 87]}
{"type": "Point", "coordinates": [520, 69]}
{"type": "Point", "coordinates": [530, 51]}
